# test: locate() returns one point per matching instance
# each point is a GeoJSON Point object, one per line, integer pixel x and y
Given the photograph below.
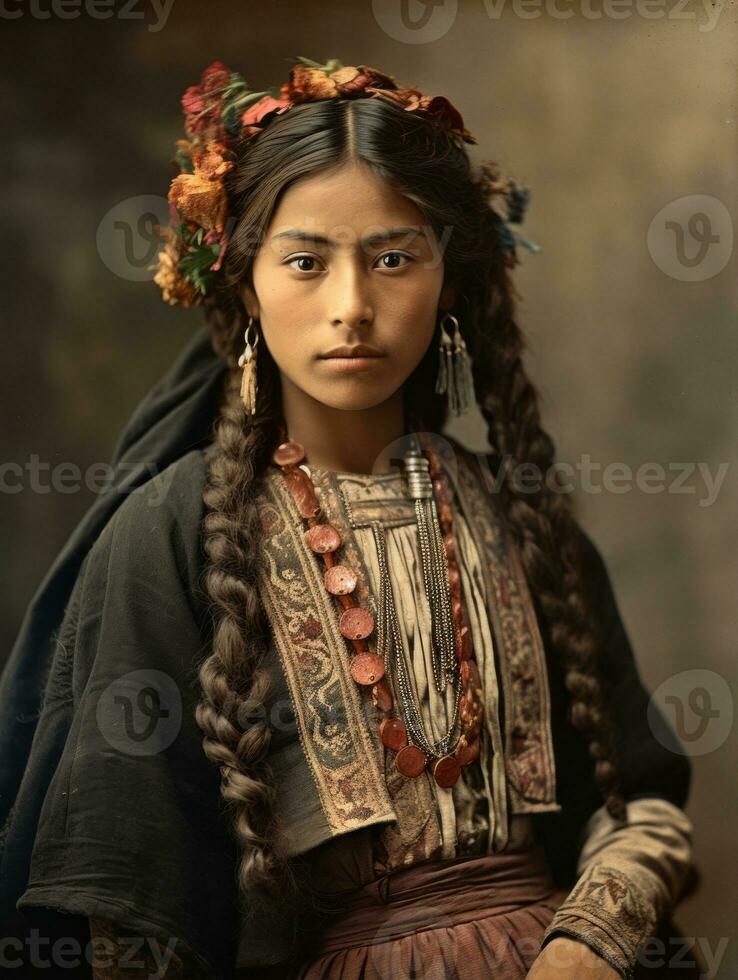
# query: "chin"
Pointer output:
{"type": "Point", "coordinates": [353, 402]}
{"type": "Point", "coordinates": [353, 394]}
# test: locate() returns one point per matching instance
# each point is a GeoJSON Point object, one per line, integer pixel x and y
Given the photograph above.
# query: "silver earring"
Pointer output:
{"type": "Point", "coordinates": [247, 361]}
{"type": "Point", "coordinates": [454, 368]}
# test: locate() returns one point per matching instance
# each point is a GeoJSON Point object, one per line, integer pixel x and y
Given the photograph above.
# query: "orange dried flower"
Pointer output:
{"type": "Point", "coordinates": [199, 199]}
{"type": "Point", "coordinates": [200, 196]}
{"type": "Point", "coordinates": [174, 287]}
{"type": "Point", "coordinates": [306, 84]}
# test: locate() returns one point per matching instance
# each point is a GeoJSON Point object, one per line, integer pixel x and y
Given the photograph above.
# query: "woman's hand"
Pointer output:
{"type": "Point", "coordinates": [566, 958]}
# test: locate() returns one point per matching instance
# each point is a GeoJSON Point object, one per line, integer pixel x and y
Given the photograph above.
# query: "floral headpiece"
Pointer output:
{"type": "Point", "coordinates": [222, 110]}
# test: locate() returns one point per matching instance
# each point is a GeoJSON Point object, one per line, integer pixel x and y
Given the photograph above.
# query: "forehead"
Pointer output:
{"type": "Point", "coordinates": [350, 197]}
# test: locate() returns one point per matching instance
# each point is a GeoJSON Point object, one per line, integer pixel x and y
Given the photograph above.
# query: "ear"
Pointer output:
{"type": "Point", "coordinates": [448, 297]}
{"type": "Point", "coordinates": [249, 300]}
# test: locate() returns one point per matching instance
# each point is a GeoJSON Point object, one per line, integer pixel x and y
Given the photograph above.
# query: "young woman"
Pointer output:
{"type": "Point", "coordinates": [331, 696]}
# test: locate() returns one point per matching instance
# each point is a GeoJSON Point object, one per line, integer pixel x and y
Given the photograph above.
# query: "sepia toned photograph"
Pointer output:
{"type": "Point", "coordinates": [369, 490]}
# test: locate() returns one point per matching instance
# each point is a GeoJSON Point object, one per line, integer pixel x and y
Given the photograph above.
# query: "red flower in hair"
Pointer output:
{"type": "Point", "coordinates": [202, 102]}
{"type": "Point", "coordinates": [437, 107]}
{"type": "Point", "coordinates": [256, 116]}
{"type": "Point", "coordinates": [215, 76]}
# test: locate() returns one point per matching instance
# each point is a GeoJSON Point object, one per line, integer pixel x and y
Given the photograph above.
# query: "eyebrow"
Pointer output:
{"type": "Point", "coordinates": [379, 236]}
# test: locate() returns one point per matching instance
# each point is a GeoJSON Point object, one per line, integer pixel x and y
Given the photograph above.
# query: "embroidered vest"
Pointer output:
{"type": "Point", "coordinates": [340, 778]}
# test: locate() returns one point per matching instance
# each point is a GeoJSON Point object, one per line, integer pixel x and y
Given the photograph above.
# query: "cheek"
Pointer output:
{"type": "Point", "coordinates": [288, 347]}
{"type": "Point", "coordinates": [410, 324]}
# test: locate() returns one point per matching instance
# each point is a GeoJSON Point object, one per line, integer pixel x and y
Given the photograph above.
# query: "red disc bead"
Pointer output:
{"type": "Point", "coordinates": [340, 580]}
{"type": "Point", "coordinates": [446, 771]}
{"type": "Point", "coordinates": [367, 668]}
{"type": "Point", "coordinates": [322, 538]}
{"type": "Point", "coordinates": [393, 733]}
{"type": "Point", "coordinates": [356, 623]}
{"type": "Point", "coordinates": [410, 761]}
{"type": "Point", "coordinates": [288, 454]}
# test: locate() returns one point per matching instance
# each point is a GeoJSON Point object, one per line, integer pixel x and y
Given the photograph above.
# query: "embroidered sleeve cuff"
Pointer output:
{"type": "Point", "coordinates": [630, 877]}
{"type": "Point", "coordinates": [580, 918]}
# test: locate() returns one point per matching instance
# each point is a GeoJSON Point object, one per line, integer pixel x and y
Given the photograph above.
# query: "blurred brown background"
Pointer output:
{"type": "Point", "coordinates": [611, 115]}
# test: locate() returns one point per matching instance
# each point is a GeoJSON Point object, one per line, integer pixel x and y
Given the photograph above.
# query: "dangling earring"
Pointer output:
{"type": "Point", "coordinates": [247, 361]}
{"type": "Point", "coordinates": [454, 368]}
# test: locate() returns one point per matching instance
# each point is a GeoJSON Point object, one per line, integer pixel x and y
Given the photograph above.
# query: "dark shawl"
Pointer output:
{"type": "Point", "coordinates": [142, 838]}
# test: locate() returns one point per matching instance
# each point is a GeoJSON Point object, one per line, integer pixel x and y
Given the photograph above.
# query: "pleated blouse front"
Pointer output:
{"type": "Point", "coordinates": [472, 814]}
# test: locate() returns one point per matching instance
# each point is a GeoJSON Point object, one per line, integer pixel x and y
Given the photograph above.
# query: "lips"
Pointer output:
{"type": "Point", "coordinates": [352, 353]}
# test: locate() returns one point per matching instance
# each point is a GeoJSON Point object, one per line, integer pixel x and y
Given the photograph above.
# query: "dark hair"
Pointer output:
{"type": "Point", "coordinates": [425, 164]}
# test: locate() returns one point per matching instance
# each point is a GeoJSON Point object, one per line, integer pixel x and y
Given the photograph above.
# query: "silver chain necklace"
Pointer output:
{"type": "Point", "coordinates": [438, 594]}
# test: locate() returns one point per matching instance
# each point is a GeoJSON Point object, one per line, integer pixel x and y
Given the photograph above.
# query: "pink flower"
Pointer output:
{"type": "Point", "coordinates": [202, 103]}
{"type": "Point", "coordinates": [258, 111]}
{"type": "Point", "coordinates": [192, 103]}
{"type": "Point", "coordinates": [215, 76]}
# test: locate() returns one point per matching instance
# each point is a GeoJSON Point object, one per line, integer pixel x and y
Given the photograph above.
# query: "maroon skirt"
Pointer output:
{"type": "Point", "coordinates": [474, 918]}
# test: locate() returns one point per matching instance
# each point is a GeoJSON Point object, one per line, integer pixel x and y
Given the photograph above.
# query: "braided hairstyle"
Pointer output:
{"type": "Point", "coordinates": [426, 165]}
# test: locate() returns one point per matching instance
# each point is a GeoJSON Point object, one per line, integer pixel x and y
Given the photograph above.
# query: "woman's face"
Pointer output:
{"type": "Point", "coordinates": [347, 285]}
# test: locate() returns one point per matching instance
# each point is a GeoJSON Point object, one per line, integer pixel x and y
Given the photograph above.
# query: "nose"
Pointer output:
{"type": "Point", "coordinates": [350, 301]}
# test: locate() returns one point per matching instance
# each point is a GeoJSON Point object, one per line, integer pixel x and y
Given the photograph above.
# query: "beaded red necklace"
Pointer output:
{"type": "Point", "coordinates": [357, 624]}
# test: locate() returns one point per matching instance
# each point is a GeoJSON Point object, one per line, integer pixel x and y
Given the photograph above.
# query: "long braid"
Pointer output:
{"type": "Point", "coordinates": [235, 685]}
{"type": "Point", "coordinates": [544, 527]}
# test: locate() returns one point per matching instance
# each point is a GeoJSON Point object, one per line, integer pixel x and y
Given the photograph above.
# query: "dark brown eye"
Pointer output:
{"type": "Point", "coordinates": [303, 258]}
{"type": "Point", "coordinates": [393, 257]}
